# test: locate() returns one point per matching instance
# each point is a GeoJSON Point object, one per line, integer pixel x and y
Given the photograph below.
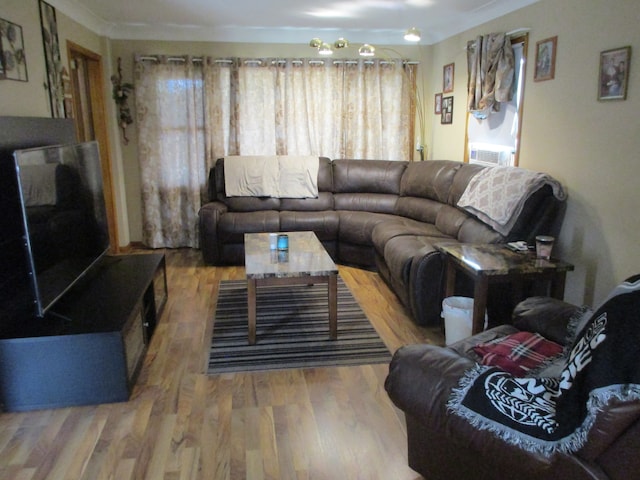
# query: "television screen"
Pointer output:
{"type": "Point", "coordinates": [63, 214]}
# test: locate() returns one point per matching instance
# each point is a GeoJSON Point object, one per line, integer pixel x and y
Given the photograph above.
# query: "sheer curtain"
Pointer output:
{"type": "Point", "coordinates": [338, 109]}
{"type": "Point", "coordinates": [170, 121]}
{"type": "Point", "coordinates": [191, 113]}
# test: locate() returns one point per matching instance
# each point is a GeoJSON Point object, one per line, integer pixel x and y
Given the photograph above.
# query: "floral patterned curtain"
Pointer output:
{"type": "Point", "coordinates": [491, 66]}
{"type": "Point", "coordinates": [170, 121]}
{"type": "Point", "coordinates": [189, 114]}
{"type": "Point", "coordinates": [338, 109]}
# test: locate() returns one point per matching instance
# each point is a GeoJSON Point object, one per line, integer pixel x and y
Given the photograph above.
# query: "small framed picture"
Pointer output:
{"type": "Point", "coordinates": [13, 63]}
{"type": "Point", "coordinates": [614, 74]}
{"type": "Point", "coordinates": [545, 59]}
{"type": "Point", "coordinates": [447, 78]}
{"type": "Point", "coordinates": [437, 102]}
{"type": "Point", "coordinates": [447, 110]}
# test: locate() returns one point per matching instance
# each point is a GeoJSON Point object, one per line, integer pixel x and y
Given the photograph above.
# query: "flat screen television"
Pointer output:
{"type": "Point", "coordinates": [63, 217]}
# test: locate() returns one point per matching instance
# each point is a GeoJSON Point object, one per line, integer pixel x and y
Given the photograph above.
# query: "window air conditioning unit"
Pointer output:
{"type": "Point", "coordinates": [491, 155]}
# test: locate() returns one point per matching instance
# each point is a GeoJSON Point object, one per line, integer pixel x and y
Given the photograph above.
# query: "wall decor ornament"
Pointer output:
{"type": "Point", "coordinates": [52, 59]}
{"type": "Point", "coordinates": [13, 62]}
{"type": "Point", "coordinates": [437, 102]}
{"type": "Point", "coordinates": [614, 74]}
{"type": "Point", "coordinates": [447, 78]}
{"type": "Point", "coordinates": [447, 111]}
{"type": "Point", "coordinates": [120, 93]}
{"type": "Point", "coordinates": [546, 59]}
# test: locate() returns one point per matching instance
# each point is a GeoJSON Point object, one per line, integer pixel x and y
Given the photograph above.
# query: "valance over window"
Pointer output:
{"type": "Point", "coordinates": [491, 67]}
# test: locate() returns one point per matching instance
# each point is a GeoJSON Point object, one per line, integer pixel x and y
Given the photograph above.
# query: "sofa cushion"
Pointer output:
{"type": "Point", "coordinates": [323, 202]}
{"type": "Point", "coordinates": [440, 174]}
{"type": "Point", "coordinates": [400, 226]}
{"type": "Point", "coordinates": [422, 209]}
{"type": "Point", "coordinates": [325, 175]}
{"type": "Point", "coordinates": [474, 231]}
{"type": "Point", "coordinates": [449, 220]}
{"type": "Point", "coordinates": [233, 225]}
{"type": "Point", "coordinates": [400, 251]}
{"type": "Point", "coordinates": [252, 204]}
{"type": "Point", "coordinates": [367, 202]}
{"type": "Point", "coordinates": [370, 176]}
{"type": "Point", "coordinates": [323, 224]}
{"type": "Point", "coordinates": [356, 227]}
{"type": "Point", "coordinates": [464, 174]}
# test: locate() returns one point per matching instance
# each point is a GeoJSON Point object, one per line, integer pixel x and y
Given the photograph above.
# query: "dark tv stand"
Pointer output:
{"type": "Point", "coordinates": [90, 348]}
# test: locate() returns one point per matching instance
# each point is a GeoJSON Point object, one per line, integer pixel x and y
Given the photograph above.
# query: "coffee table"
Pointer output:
{"type": "Point", "coordinates": [306, 262]}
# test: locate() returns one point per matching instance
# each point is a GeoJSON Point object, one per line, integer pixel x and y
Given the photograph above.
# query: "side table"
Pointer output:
{"type": "Point", "coordinates": [495, 263]}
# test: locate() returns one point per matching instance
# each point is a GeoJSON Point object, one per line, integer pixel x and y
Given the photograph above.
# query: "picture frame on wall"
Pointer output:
{"type": "Point", "coordinates": [2, 75]}
{"type": "Point", "coordinates": [546, 59]}
{"type": "Point", "coordinates": [13, 62]}
{"type": "Point", "coordinates": [447, 78]}
{"type": "Point", "coordinates": [437, 102]}
{"type": "Point", "coordinates": [613, 76]}
{"type": "Point", "coordinates": [447, 111]}
{"type": "Point", "coordinates": [52, 57]}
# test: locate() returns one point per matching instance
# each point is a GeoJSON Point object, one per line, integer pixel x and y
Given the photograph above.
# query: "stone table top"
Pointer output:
{"type": "Point", "coordinates": [306, 256]}
{"type": "Point", "coordinates": [497, 259]}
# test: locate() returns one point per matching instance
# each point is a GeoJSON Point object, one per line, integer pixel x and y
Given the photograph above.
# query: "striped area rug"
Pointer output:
{"type": "Point", "coordinates": [292, 330]}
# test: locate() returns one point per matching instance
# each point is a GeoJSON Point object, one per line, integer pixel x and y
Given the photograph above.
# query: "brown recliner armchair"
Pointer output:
{"type": "Point", "coordinates": [425, 381]}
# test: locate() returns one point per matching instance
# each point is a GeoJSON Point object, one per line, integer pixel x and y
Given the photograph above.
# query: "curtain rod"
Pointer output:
{"type": "Point", "coordinates": [257, 61]}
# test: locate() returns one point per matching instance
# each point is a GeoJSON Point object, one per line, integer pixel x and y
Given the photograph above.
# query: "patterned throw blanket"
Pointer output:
{"type": "Point", "coordinates": [496, 195]}
{"type": "Point", "coordinates": [545, 415]}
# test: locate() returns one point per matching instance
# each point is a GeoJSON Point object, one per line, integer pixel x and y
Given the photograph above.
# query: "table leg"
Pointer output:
{"type": "Point", "coordinates": [450, 289]}
{"type": "Point", "coordinates": [480, 291]}
{"type": "Point", "coordinates": [332, 286]}
{"type": "Point", "coordinates": [251, 307]}
{"type": "Point", "coordinates": [557, 285]}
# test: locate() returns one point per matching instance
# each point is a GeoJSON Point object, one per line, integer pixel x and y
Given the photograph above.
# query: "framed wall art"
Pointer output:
{"type": "Point", "coordinates": [13, 62]}
{"type": "Point", "coordinates": [447, 78]}
{"type": "Point", "coordinates": [52, 59]}
{"type": "Point", "coordinates": [437, 102]}
{"type": "Point", "coordinates": [545, 59]}
{"type": "Point", "coordinates": [447, 110]}
{"type": "Point", "coordinates": [614, 74]}
{"type": "Point", "coordinates": [2, 74]}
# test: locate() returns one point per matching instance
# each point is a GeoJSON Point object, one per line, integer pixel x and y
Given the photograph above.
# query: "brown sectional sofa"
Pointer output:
{"type": "Point", "coordinates": [374, 214]}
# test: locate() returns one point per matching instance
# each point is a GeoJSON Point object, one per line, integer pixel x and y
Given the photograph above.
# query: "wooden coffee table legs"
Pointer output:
{"type": "Point", "coordinates": [332, 287]}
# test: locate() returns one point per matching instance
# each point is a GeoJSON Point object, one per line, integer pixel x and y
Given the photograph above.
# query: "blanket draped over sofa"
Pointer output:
{"type": "Point", "coordinates": [546, 415]}
{"type": "Point", "coordinates": [376, 214]}
{"type": "Point", "coordinates": [272, 176]}
{"type": "Point", "coordinates": [497, 195]}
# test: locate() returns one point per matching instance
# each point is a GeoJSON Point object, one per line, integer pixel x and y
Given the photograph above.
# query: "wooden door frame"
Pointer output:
{"type": "Point", "coordinates": [99, 116]}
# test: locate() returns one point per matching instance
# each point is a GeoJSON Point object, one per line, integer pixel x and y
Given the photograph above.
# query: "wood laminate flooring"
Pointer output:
{"type": "Point", "coordinates": [324, 423]}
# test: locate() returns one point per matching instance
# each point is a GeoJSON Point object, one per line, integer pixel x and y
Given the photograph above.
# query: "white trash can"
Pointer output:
{"type": "Point", "coordinates": [458, 318]}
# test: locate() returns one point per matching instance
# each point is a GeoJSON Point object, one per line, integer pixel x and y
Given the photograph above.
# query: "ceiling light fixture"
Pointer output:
{"type": "Point", "coordinates": [367, 50]}
{"type": "Point", "coordinates": [325, 49]}
{"type": "Point", "coordinates": [412, 35]}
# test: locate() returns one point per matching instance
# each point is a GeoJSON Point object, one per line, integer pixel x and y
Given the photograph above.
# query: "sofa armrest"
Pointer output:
{"type": "Point", "coordinates": [209, 216]}
{"type": "Point", "coordinates": [421, 378]}
{"type": "Point", "coordinates": [547, 316]}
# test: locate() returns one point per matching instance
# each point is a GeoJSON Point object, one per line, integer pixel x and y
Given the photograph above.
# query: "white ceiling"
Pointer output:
{"type": "Point", "coordinates": [283, 21]}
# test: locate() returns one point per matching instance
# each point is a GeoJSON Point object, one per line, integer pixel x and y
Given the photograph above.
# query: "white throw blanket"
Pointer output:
{"type": "Point", "coordinates": [279, 176]}
{"type": "Point", "coordinates": [496, 195]}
